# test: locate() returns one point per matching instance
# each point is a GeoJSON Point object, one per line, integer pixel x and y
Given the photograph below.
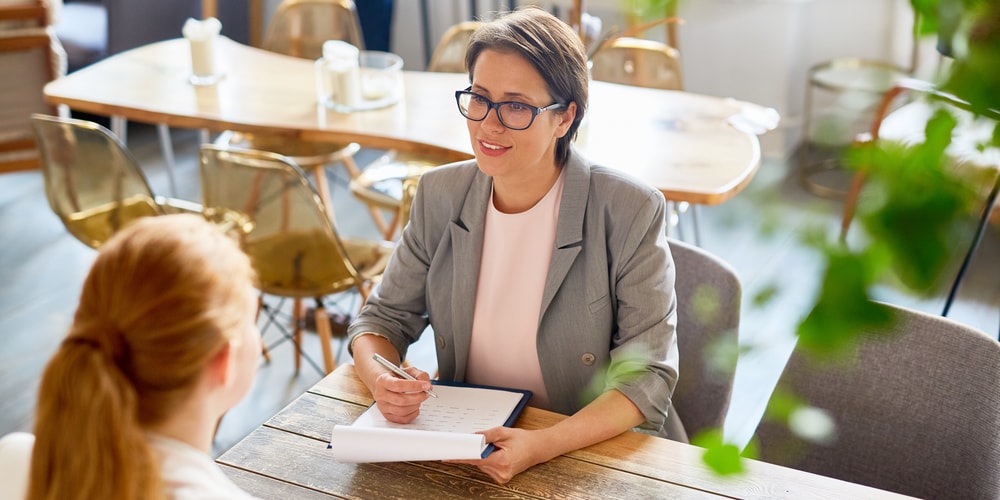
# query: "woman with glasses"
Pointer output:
{"type": "Point", "coordinates": [534, 268]}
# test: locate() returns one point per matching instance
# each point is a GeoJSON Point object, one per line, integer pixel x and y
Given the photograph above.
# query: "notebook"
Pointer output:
{"type": "Point", "coordinates": [445, 430]}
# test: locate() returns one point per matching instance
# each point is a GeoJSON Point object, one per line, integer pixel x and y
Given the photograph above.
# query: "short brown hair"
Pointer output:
{"type": "Point", "coordinates": [552, 47]}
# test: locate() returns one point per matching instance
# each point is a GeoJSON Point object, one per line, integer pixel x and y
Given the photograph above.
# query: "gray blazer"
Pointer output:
{"type": "Point", "coordinates": [608, 296]}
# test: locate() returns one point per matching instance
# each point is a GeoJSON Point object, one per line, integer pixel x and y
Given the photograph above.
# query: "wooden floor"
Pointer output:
{"type": "Point", "coordinates": [759, 233]}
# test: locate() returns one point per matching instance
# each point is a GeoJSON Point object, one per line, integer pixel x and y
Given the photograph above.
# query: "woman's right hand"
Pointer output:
{"type": "Point", "coordinates": [399, 399]}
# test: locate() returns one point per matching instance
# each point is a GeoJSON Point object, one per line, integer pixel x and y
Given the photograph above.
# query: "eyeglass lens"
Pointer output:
{"type": "Point", "coordinates": [512, 115]}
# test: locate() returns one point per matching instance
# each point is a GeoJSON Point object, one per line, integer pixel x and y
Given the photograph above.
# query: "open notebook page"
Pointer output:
{"type": "Point", "coordinates": [445, 429]}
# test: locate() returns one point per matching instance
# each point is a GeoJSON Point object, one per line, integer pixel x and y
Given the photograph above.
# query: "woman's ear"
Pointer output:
{"type": "Point", "coordinates": [566, 119]}
{"type": "Point", "coordinates": [222, 366]}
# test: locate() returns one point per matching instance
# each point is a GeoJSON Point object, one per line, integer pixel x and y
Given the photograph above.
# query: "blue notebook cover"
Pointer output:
{"type": "Point", "coordinates": [525, 397]}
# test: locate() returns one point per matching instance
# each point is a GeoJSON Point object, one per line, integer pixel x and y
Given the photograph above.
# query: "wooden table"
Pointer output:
{"type": "Point", "coordinates": [680, 142]}
{"type": "Point", "coordinates": [287, 458]}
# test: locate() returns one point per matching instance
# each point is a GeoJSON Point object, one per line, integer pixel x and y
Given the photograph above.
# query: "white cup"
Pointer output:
{"type": "Point", "coordinates": [338, 76]}
{"type": "Point", "coordinates": [201, 35]}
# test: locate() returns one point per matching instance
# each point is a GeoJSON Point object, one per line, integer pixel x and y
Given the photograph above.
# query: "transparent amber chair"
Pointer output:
{"type": "Point", "coordinates": [92, 182]}
{"type": "Point", "coordinates": [298, 28]}
{"type": "Point", "coordinates": [449, 54]}
{"type": "Point", "coordinates": [288, 233]}
{"type": "Point", "coordinates": [382, 185]}
{"type": "Point", "coordinates": [638, 62]}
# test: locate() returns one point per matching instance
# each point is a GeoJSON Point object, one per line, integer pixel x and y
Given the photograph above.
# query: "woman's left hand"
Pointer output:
{"type": "Point", "coordinates": [516, 451]}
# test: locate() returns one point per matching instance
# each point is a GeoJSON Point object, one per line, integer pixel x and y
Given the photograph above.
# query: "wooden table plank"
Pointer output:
{"type": "Point", "coordinates": [635, 453]}
{"type": "Point", "coordinates": [269, 451]}
{"type": "Point", "coordinates": [266, 487]}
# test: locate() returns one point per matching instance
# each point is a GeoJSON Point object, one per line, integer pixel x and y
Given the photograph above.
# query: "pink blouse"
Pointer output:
{"type": "Point", "coordinates": [516, 253]}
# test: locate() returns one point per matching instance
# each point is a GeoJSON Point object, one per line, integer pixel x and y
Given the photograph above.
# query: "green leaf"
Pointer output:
{"type": "Point", "coordinates": [918, 204]}
{"type": "Point", "coordinates": [765, 295]}
{"type": "Point", "coordinates": [724, 459]}
{"type": "Point", "coordinates": [843, 307]}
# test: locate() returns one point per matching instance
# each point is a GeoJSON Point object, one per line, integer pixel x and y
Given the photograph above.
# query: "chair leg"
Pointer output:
{"type": "Point", "coordinates": [980, 229]}
{"type": "Point", "coordinates": [376, 214]}
{"type": "Point", "coordinates": [263, 347]}
{"type": "Point", "coordinates": [297, 332]}
{"type": "Point", "coordinates": [695, 209]}
{"type": "Point", "coordinates": [325, 338]}
{"type": "Point", "coordinates": [168, 155]}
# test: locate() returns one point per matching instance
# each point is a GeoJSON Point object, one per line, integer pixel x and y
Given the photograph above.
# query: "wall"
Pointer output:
{"type": "Point", "coordinates": [755, 50]}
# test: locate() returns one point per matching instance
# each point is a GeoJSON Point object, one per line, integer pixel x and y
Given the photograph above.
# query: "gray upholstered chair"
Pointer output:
{"type": "Point", "coordinates": [708, 317]}
{"type": "Point", "coordinates": [917, 410]}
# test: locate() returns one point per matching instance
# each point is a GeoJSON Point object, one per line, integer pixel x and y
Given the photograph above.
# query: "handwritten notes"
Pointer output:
{"type": "Point", "coordinates": [445, 429]}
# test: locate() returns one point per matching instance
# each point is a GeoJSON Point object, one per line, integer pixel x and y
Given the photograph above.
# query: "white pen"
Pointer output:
{"type": "Point", "coordinates": [399, 371]}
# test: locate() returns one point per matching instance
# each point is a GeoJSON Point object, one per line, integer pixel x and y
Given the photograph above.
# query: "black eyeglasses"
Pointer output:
{"type": "Point", "coordinates": [513, 115]}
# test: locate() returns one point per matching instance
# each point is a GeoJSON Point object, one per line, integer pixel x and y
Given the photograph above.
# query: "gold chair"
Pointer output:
{"type": "Point", "coordinates": [449, 54]}
{"type": "Point", "coordinates": [383, 184]}
{"type": "Point", "coordinates": [92, 182]}
{"type": "Point", "coordinates": [30, 57]}
{"type": "Point", "coordinates": [299, 28]}
{"type": "Point", "coordinates": [638, 62]}
{"type": "Point", "coordinates": [288, 233]}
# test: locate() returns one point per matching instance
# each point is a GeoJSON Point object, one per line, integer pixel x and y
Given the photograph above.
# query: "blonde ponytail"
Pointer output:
{"type": "Point", "coordinates": [162, 298]}
{"type": "Point", "coordinates": [91, 445]}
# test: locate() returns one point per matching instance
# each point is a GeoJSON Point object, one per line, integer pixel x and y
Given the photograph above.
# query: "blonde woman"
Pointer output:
{"type": "Point", "coordinates": [163, 343]}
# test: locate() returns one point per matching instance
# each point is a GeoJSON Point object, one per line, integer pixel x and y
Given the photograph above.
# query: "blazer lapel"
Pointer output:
{"type": "Point", "coordinates": [569, 228]}
{"type": "Point", "coordinates": [467, 239]}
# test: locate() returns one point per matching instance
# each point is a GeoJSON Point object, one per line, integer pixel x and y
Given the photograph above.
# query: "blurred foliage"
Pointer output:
{"type": "Point", "coordinates": [648, 9]}
{"type": "Point", "coordinates": [916, 205]}
{"type": "Point", "coordinates": [625, 366]}
{"type": "Point", "coordinates": [724, 458]}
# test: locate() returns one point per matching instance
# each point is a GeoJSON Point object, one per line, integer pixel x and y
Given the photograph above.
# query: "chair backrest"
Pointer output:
{"type": "Point", "coordinates": [19, 14]}
{"type": "Point", "coordinates": [284, 227]}
{"type": "Point", "coordinates": [299, 27]}
{"type": "Point", "coordinates": [30, 57]}
{"type": "Point", "coordinates": [92, 182]}
{"type": "Point", "coordinates": [15, 464]}
{"type": "Point", "coordinates": [708, 317]}
{"type": "Point", "coordinates": [638, 62]}
{"type": "Point", "coordinates": [917, 410]}
{"type": "Point", "coordinates": [449, 54]}
{"type": "Point", "coordinates": [406, 201]}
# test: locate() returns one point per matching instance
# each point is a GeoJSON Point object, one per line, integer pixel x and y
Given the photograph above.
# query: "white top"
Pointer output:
{"type": "Point", "coordinates": [517, 249]}
{"type": "Point", "coordinates": [189, 474]}
{"type": "Point", "coordinates": [15, 464]}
